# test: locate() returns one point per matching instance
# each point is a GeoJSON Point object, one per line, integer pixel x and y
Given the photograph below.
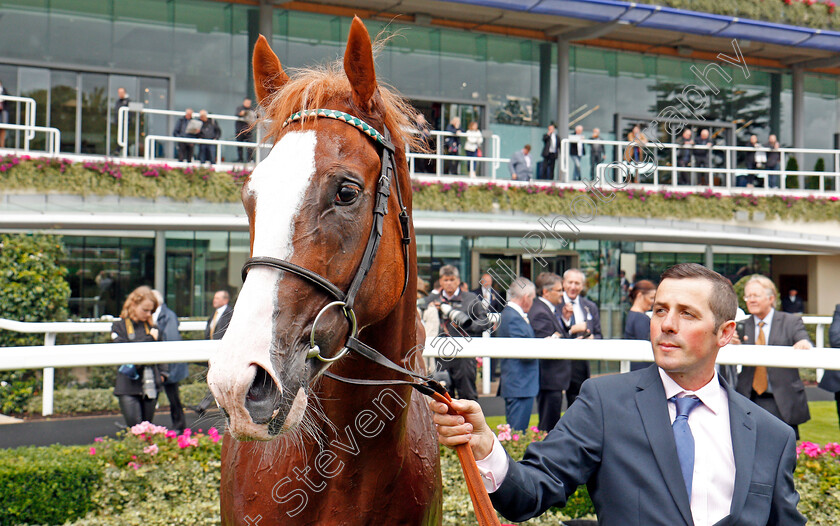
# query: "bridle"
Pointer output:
{"type": "Point", "coordinates": [424, 384]}
{"type": "Point", "coordinates": [346, 300]}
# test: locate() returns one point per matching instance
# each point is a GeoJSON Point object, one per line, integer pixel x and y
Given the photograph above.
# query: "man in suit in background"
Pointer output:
{"type": "Point", "coordinates": [520, 381]}
{"type": "Point", "coordinates": [555, 375]}
{"type": "Point", "coordinates": [792, 303]}
{"type": "Point", "coordinates": [582, 311]}
{"type": "Point", "coordinates": [167, 322]}
{"type": "Point", "coordinates": [831, 379]}
{"type": "Point", "coordinates": [491, 299]}
{"type": "Point", "coordinates": [217, 324]}
{"type": "Point", "coordinates": [778, 390]}
{"type": "Point", "coordinates": [551, 145]}
{"type": "Point", "coordinates": [671, 444]}
{"type": "Point", "coordinates": [521, 167]}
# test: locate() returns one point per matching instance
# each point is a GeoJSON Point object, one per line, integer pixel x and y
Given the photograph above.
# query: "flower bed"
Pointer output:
{"type": "Point", "coordinates": [818, 14]}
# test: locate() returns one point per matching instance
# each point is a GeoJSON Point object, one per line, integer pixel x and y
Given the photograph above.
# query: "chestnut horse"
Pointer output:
{"type": "Point", "coordinates": [303, 448]}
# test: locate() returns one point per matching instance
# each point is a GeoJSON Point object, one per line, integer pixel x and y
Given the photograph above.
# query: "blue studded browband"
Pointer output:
{"type": "Point", "coordinates": [356, 122]}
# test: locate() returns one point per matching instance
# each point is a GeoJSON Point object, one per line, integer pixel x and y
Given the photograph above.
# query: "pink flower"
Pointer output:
{"type": "Point", "coordinates": [171, 434]}
{"type": "Point", "coordinates": [535, 429]}
{"type": "Point", "coordinates": [515, 437]}
{"type": "Point", "coordinates": [134, 465]}
{"type": "Point", "coordinates": [133, 457]}
{"type": "Point", "coordinates": [92, 451]}
{"type": "Point", "coordinates": [98, 439]}
{"type": "Point", "coordinates": [151, 450]}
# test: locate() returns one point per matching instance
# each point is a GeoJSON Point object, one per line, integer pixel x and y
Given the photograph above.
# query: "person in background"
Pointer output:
{"type": "Point", "coordinates": [792, 303]}
{"type": "Point", "coordinates": [520, 381]}
{"type": "Point", "coordinates": [472, 144]}
{"type": "Point", "coordinates": [637, 324]}
{"type": "Point", "coordinates": [583, 320]}
{"type": "Point", "coordinates": [555, 375]}
{"type": "Point", "coordinates": [186, 127]}
{"type": "Point", "coordinates": [551, 146]}
{"type": "Point", "coordinates": [776, 389]}
{"type": "Point", "coordinates": [684, 156]}
{"type": "Point", "coordinates": [451, 145]}
{"type": "Point", "coordinates": [774, 157]}
{"type": "Point", "coordinates": [596, 154]}
{"type": "Point", "coordinates": [576, 151]}
{"type": "Point", "coordinates": [167, 323]}
{"type": "Point", "coordinates": [520, 164]}
{"type": "Point", "coordinates": [244, 130]}
{"type": "Point", "coordinates": [701, 155]}
{"type": "Point", "coordinates": [122, 100]}
{"type": "Point", "coordinates": [209, 130]}
{"type": "Point", "coordinates": [4, 113]}
{"type": "Point", "coordinates": [217, 324]}
{"type": "Point", "coordinates": [137, 386]}
{"type": "Point", "coordinates": [491, 299]}
{"type": "Point", "coordinates": [427, 166]}
{"type": "Point", "coordinates": [831, 379]}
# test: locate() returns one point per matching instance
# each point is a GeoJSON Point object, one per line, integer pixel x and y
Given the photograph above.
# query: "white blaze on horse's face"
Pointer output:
{"type": "Point", "coordinates": [278, 186]}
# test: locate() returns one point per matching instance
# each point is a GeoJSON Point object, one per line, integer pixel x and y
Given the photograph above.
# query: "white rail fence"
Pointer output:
{"type": "Point", "coordinates": [49, 356]}
{"type": "Point", "coordinates": [649, 170]}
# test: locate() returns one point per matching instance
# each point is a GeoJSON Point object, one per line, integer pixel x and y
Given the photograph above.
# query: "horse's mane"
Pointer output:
{"type": "Point", "coordinates": [312, 88]}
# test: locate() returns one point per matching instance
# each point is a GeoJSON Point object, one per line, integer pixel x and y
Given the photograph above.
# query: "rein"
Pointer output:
{"type": "Point", "coordinates": [478, 494]}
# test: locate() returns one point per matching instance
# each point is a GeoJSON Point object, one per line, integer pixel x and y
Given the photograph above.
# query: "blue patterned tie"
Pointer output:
{"type": "Point", "coordinates": [684, 438]}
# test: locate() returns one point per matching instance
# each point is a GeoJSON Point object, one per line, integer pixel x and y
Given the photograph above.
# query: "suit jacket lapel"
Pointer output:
{"type": "Point", "coordinates": [742, 428]}
{"type": "Point", "coordinates": [653, 408]}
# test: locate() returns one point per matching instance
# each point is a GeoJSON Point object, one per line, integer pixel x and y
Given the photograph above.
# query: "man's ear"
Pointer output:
{"type": "Point", "coordinates": [725, 333]}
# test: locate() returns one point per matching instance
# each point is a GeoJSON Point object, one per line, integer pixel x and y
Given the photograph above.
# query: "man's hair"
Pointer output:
{"type": "Point", "coordinates": [722, 299]}
{"type": "Point", "coordinates": [527, 147]}
{"type": "Point", "coordinates": [765, 282]}
{"type": "Point", "coordinates": [546, 280]}
{"type": "Point", "coordinates": [450, 270]}
{"type": "Point", "coordinates": [575, 271]}
{"type": "Point", "coordinates": [520, 287]}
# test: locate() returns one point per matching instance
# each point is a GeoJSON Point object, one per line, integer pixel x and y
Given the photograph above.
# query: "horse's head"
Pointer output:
{"type": "Point", "coordinates": [309, 203]}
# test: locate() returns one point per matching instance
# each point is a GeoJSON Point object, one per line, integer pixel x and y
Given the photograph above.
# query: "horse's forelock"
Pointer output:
{"type": "Point", "coordinates": [314, 88]}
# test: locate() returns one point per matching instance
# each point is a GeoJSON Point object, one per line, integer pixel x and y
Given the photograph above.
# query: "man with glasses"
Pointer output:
{"type": "Point", "coordinates": [779, 390]}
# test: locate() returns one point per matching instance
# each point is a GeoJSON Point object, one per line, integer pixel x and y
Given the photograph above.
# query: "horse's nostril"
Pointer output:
{"type": "Point", "coordinates": [262, 398]}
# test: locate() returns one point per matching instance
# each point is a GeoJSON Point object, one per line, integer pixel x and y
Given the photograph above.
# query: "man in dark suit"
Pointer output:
{"type": "Point", "coordinates": [551, 145]}
{"type": "Point", "coordinates": [779, 390]}
{"type": "Point", "coordinates": [167, 321]}
{"type": "Point", "coordinates": [582, 311]}
{"type": "Point", "coordinates": [668, 445]}
{"type": "Point", "coordinates": [491, 299]}
{"type": "Point", "coordinates": [555, 375]}
{"type": "Point", "coordinates": [217, 324]}
{"type": "Point", "coordinates": [792, 303]}
{"type": "Point", "coordinates": [831, 379]}
{"type": "Point", "coordinates": [520, 381]}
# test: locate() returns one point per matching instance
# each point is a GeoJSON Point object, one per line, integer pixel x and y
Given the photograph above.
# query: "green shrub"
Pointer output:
{"type": "Point", "coordinates": [792, 165]}
{"type": "Point", "coordinates": [817, 478]}
{"type": "Point", "coordinates": [67, 401]}
{"type": "Point", "coordinates": [47, 485]}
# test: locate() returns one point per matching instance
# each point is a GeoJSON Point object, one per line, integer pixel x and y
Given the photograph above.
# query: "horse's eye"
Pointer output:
{"type": "Point", "coordinates": [347, 194]}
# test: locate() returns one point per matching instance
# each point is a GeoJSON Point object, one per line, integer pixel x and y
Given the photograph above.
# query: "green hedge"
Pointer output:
{"type": "Point", "coordinates": [47, 485]}
{"type": "Point", "coordinates": [68, 401]}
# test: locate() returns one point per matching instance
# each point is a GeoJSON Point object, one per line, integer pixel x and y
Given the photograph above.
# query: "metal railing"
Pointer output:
{"type": "Point", "coordinates": [151, 140]}
{"type": "Point", "coordinates": [439, 157]}
{"type": "Point", "coordinates": [649, 169]}
{"type": "Point", "coordinates": [53, 142]}
{"type": "Point", "coordinates": [49, 356]}
{"type": "Point", "coordinates": [29, 109]}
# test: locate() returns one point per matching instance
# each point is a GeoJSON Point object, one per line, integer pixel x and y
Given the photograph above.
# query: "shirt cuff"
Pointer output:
{"type": "Point", "coordinates": [494, 467]}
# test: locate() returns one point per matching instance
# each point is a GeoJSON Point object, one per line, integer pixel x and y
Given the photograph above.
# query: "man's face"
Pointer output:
{"type": "Point", "coordinates": [449, 284]}
{"type": "Point", "coordinates": [219, 299]}
{"type": "Point", "coordinates": [527, 302]}
{"type": "Point", "coordinates": [188, 114]}
{"type": "Point", "coordinates": [687, 134]}
{"type": "Point", "coordinates": [554, 293]}
{"type": "Point", "coordinates": [704, 134]}
{"type": "Point", "coordinates": [793, 293]}
{"type": "Point", "coordinates": [753, 139]}
{"type": "Point", "coordinates": [578, 129]}
{"type": "Point", "coordinates": [550, 128]}
{"type": "Point", "coordinates": [246, 103]}
{"type": "Point", "coordinates": [486, 281]}
{"type": "Point", "coordinates": [202, 115]}
{"type": "Point", "coordinates": [771, 140]}
{"type": "Point", "coordinates": [121, 93]}
{"type": "Point", "coordinates": [758, 301]}
{"type": "Point", "coordinates": [573, 284]}
{"type": "Point", "coordinates": [682, 331]}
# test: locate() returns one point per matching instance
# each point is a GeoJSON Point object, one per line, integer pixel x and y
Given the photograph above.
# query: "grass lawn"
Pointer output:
{"type": "Point", "coordinates": [822, 427]}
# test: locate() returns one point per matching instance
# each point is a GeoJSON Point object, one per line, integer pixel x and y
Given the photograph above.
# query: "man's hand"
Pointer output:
{"type": "Point", "coordinates": [578, 327]}
{"type": "Point", "coordinates": [802, 344]}
{"type": "Point", "coordinates": [154, 332]}
{"type": "Point", "coordinates": [467, 427]}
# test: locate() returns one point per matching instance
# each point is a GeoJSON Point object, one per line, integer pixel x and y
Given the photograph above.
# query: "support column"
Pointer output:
{"type": "Point", "coordinates": [563, 81]}
{"type": "Point", "coordinates": [266, 19]}
{"type": "Point", "coordinates": [798, 114]}
{"type": "Point", "coordinates": [709, 261]}
{"type": "Point", "coordinates": [160, 262]}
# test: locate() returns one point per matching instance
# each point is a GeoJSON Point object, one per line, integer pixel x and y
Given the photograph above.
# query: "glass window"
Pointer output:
{"type": "Point", "coordinates": [94, 113]}
{"type": "Point", "coordinates": [143, 34]}
{"type": "Point", "coordinates": [63, 104]}
{"type": "Point", "coordinates": [415, 65]}
{"type": "Point", "coordinates": [80, 32]}
{"type": "Point", "coordinates": [463, 69]}
{"type": "Point", "coordinates": [513, 81]}
{"type": "Point", "coordinates": [24, 28]}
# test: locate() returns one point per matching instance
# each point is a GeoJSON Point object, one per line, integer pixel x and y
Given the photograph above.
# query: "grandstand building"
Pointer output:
{"type": "Point", "coordinates": [513, 66]}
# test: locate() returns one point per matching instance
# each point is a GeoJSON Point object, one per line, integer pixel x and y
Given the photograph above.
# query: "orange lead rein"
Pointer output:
{"type": "Point", "coordinates": [484, 512]}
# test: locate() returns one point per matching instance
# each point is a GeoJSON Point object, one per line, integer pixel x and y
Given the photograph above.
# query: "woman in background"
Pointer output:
{"type": "Point", "coordinates": [637, 326]}
{"type": "Point", "coordinates": [137, 387]}
{"type": "Point", "coordinates": [472, 146]}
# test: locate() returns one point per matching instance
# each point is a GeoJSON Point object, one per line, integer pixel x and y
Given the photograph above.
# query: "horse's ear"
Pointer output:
{"type": "Point", "coordinates": [268, 73]}
{"type": "Point", "coordinates": [358, 64]}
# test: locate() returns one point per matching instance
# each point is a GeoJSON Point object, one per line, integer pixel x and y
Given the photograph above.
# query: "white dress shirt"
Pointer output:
{"type": "Point", "coordinates": [519, 310]}
{"type": "Point", "coordinates": [580, 316]}
{"type": "Point", "coordinates": [714, 459]}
